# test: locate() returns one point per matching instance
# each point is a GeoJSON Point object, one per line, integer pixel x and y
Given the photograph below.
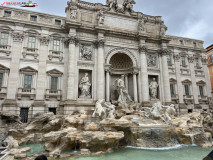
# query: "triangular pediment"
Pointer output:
{"type": "Point", "coordinates": [201, 82]}
{"type": "Point", "coordinates": [173, 80]}
{"type": "Point", "coordinates": [187, 81]}
{"type": "Point", "coordinates": [28, 69]}
{"type": "Point", "coordinates": [54, 71]}
{"type": "Point", "coordinates": [2, 67]}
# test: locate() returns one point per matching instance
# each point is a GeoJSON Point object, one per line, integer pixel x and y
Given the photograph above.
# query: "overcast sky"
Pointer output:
{"type": "Point", "coordinates": [185, 18]}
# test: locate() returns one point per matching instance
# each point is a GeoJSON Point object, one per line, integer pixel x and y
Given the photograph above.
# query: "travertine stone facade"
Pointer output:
{"type": "Point", "coordinates": [43, 58]}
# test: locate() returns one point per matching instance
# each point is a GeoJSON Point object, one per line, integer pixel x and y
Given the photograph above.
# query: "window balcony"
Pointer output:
{"type": "Point", "coordinates": [32, 52]}
{"type": "Point", "coordinates": [3, 92]}
{"type": "Point", "coordinates": [203, 99]}
{"type": "Point", "coordinates": [175, 98]}
{"type": "Point", "coordinates": [26, 92]}
{"type": "Point", "coordinates": [53, 94]}
{"type": "Point", "coordinates": [5, 49]}
{"type": "Point", "coordinates": [55, 54]}
{"type": "Point", "coordinates": [189, 99]}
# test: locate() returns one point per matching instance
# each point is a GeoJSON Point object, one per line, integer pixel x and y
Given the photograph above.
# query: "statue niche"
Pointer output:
{"type": "Point", "coordinates": [153, 88]}
{"type": "Point", "coordinates": [85, 87]}
{"type": "Point", "coordinates": [121, 78]}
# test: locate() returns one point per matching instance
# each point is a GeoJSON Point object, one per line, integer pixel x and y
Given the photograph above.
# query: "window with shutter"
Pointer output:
{"type": "Point", "coordinates": [201, 90]}
{"type": "Point", "coordinates": [56, 45]}
{"type": "Point", "coordinates": [54, 83]}
{"type": "Point", "coordinates": [27, 81]}
{"type": "Point", "coordinates": [1, 79]}
{"type": "Point", "coordinates": [31, 42]}
{"type": "Point", "coordinates": [4, 38]}
{"type": "Point", "coordinates": [172, 88]}
{"type": "Point", "coordinates": [187, 92]}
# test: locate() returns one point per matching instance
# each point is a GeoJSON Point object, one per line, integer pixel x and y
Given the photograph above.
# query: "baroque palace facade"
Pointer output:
{"type": "Point", "coordinates": [45, 59]}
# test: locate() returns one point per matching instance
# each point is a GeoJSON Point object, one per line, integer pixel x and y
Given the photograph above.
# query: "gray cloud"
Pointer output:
{"type": "Point", "coordinates": [185, 18]}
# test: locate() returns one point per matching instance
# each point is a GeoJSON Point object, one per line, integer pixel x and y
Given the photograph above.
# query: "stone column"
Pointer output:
{"type": "Point", "coordinates": [165, 73]}
{"type": "Point", "coordinates": [144, 74]}
{"type": "Point", "coordinates": [194, 84]}
{"type": "Point", "coordinates": [72, 41]}
{"type": "Point", "coordinates": [107, 86]}
{"type": "Point", "coordinates": [126, 82]}
{"type": "Point", "coordinates": [41, 81]}
{"type": "Point", "coordinates": [100, 70]}
{"type": "Point", "coordinates": [135, 87]}
{"type": "Point", "coordinates": [14, 67]}
{"type": "Point", "coordinates": [207, 77]}
{"type": "Point", "coordinates": [178, 75]}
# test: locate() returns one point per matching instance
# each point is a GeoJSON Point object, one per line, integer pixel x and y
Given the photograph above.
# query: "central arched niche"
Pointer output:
{"type": "Point", "coordinates": [121, 64]}
{"type": "Point", "coordinates": [121, 61]}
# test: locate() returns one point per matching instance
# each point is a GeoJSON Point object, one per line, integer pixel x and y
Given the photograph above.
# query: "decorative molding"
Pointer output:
{"type": "Point", "coordinates": [28, 69]}
{"type": "Point", "coordinates": [121, 50]}
{"type": "Point", "coordinates": [18, 37]}
{"type": "Point", "coordinates": [142, 49]}
{"type": "Point", "coordinates": [20, 14]}
{"type": "Point", "coordinates": [152, 60]}
{"type": "Point", "coordinates": [191, 59]}
{"type": "Point", "coordinates": [54, 72]}
{"type": "Point", "coordinates": [177, 57]}
{"type": "Point", "coordinates": [187, 81]}
{"type": "Point", "coordinates": [44, 40]}
{"type": "Point", "coordinates": [72, 40]}
{"type": "Point", "coordinates": [86, 52]}
{"type": "Point", "coordinates": [164, 51]}
{"type": "Point", "coordinates": [204, 60]}
{"type": "Point", "coordinates": [85, 64]}
{"type": "Point", "coordinates": [99, 43]}
{"type": "Point", "coordinates": [45, 19]}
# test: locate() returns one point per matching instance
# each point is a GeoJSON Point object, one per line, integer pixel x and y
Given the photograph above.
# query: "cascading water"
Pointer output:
{"type": "Point", "coordinates": [153, 136]}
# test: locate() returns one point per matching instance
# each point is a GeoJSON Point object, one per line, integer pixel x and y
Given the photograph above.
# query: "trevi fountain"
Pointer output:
{"type": "Point", "coordinates": [115, 130]}
{"type": "Point", "coordinates": [139, 120]}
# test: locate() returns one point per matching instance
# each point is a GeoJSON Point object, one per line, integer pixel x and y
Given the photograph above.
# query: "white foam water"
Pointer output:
{"type": "Point", "coordinates": [178, 146]}
{"type": "Point", "coordinates": [149, 125]}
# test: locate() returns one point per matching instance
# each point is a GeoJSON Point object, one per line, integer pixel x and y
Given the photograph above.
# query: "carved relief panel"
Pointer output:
{"type": "Point", "coordinates": [152, 60]}
{"type": "Point", "coordinates": [86, 52]}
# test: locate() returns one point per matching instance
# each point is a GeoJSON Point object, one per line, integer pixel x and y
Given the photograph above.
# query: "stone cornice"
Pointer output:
{"type": "Point", "coordinates": [186, 48]}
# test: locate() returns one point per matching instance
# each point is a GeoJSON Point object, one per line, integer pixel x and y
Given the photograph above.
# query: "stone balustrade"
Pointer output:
{"type": "Point", "coordinates": [5, 49]}
{"type": "Point", "coordinates": [26, 92]}
{"type": "Point", "coordinates": [50, 93]}
{"type": "Point", "coordinates": [30, 52]}
{"type": "Point", "coordinates": [86, 4]}
{"type": "Point", "coordinates": [55, 54]}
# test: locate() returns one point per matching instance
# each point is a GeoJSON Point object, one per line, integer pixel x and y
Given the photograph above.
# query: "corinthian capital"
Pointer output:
{"type": "Point", "coordinates": [142, 49]}
{"type": "Point", "coordinates": [99, 43]}
{"type": "Point", "coordinates": [18, 37]}
{"type": "Point", "coordinates": [164, 51]}
{"type": "Point", "coordinates": [72, 40]}
{"type": "Point", "coordinates": [191, 59]}
{"type": "Point", "coordinates": [44, 40]}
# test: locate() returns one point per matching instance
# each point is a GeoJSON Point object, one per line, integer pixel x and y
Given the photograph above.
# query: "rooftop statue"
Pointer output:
{"type": "Point", "coordinates": [121, 5]}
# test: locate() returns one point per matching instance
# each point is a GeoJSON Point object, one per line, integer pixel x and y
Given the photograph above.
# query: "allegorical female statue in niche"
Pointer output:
{"type": "Point", "coordinates": [153, 86]}
{"type": "Point", "coordinates": [85, 86]}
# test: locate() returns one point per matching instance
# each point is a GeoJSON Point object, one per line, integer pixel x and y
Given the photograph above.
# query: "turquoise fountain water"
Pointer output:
{"type": "Point", "coordinates": [183, 153]}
